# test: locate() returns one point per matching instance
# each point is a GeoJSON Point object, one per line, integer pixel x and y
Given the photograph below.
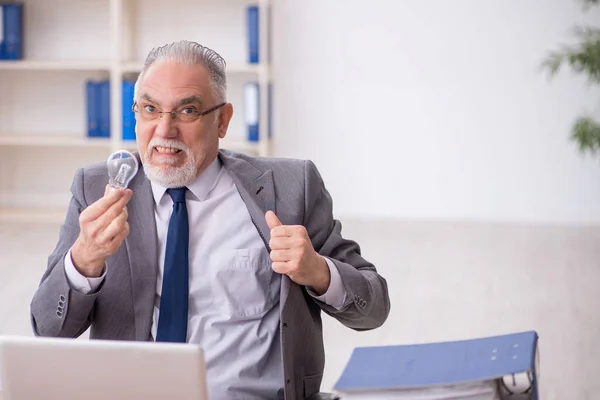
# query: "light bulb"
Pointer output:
{"type": "Point", "coordinates": [122, 167]}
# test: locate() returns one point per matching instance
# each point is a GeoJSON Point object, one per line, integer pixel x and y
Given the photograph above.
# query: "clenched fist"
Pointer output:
{"type": "Point", "coordinates": [103, 228]}
{"type": "Point", "coordinates": [292, 254]}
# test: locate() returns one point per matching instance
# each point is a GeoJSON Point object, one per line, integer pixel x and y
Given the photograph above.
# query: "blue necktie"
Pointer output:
{"type": "Point", "coordinates": [172, 320]}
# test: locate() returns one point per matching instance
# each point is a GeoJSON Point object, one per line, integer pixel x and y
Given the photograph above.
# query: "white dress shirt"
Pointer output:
{"type": "Point", "coordinates": [234, 293]}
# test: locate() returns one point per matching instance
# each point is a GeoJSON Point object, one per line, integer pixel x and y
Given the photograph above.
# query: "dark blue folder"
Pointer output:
{"type": "Point", "coordinates": [252, 30]}
{"type": "Point", "coordinates": [443, 363]}
{"type": "Point", "coordinates": [104, 108]}
{"type": "Point", "coordinates": [92, 99]}
{"type": "Point", "coordinates": [128, 114]}
{"type": "Point", "coordinates": [11, 34]}
{"type": "Point", "coordinates": [98, 108]}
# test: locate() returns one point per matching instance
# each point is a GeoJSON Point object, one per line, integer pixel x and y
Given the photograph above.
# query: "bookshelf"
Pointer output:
{"type": "Point", "coordinates": [43, 126]}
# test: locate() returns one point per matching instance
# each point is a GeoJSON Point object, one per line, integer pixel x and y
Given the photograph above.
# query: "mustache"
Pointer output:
{"type": "Point", "coordinates": [159, 142]}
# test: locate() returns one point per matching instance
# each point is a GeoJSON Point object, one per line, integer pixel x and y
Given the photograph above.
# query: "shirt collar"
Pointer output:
{"type": "Point", "coordinates": [200, 187]}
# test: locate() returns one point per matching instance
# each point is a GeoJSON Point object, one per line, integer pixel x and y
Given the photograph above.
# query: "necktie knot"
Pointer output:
{"type": "Point", "coordinates": [177, 194]}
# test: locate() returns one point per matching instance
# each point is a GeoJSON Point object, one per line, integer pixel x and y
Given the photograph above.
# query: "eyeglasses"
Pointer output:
{"type": "Point", "coordinates": [185, 114]}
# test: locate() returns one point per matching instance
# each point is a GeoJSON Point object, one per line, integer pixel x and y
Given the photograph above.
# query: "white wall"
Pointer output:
{"type": "Point", "coordinates": [435, 109]}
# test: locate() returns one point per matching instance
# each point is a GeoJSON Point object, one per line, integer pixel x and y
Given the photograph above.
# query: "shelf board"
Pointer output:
{"type": "Point", "coordinates": [9, 214]}
{"type": "Point", "coordinates": [53, 141]}
{"type": "Point", "coordinates": [30, 65]}
{"type": "Point", "coordinates": [234, 68]}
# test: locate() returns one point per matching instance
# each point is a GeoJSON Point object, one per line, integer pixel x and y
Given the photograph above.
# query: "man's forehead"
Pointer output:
{"type": "Point", "coordinates": [176, 75]}
{"type": "Point", "coordinates": [176, 81]}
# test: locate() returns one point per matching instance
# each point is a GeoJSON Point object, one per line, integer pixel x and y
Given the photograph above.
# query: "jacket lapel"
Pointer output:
{"type": "Point", "coordinates": [257, 190]}
{"type": "Point", "coordinates": [142, 250]}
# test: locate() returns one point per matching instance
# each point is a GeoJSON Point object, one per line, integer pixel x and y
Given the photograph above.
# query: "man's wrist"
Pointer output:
{"type": "Point", "coordinates": [324, 276]}
{"type": "Point", "coordinates": [87, 268]}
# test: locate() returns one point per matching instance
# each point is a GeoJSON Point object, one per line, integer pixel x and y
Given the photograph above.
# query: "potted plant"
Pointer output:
{"type": "Point", "coordinates": [583, 58]}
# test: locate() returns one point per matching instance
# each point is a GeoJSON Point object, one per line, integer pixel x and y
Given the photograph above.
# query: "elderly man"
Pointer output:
{"type": "Point", "coordinates": [237, 253]}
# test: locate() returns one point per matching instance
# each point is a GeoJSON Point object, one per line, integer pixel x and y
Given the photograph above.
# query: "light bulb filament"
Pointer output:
{"type": "Point", "coordinates": [121, 178]}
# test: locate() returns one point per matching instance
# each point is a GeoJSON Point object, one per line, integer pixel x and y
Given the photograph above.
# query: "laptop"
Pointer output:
{"type": "Point", "coordinates": [62, 369]}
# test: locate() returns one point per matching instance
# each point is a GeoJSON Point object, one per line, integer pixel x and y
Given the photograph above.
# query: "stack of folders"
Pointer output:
{"type": "Point", "coordinates": [98, 109]}
{"type": "Point", "coordinates": [491, 368]}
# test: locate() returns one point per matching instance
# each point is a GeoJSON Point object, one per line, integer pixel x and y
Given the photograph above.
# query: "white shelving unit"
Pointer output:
{"type": "Point", "coordinates": [43, 135]}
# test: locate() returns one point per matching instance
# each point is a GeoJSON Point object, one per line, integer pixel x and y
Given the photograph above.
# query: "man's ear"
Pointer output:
{"type": "Point", "coordinates": [225, 114]}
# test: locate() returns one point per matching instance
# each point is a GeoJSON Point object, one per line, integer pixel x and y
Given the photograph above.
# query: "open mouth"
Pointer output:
{"type": "Point", "coordinates": [166, 150]}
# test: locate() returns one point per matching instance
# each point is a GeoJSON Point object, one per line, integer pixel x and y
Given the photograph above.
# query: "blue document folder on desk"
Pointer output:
{"type": "Point", "coordinates": [497, 360]}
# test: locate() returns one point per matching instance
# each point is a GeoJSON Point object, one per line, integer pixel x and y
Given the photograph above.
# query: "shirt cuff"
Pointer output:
{"type": "Point", "coordinates": [335, 295]}
{"type": "Point", "coordinates": [79, 282]}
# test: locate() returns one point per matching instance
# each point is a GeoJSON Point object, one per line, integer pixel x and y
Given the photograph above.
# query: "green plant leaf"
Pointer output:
{"type": "Point", "coordinates": [583, 58]}
{"type": "Point", "coordinates": [589, 3]}
{"type": "Point", "coordinates": [586, 133]}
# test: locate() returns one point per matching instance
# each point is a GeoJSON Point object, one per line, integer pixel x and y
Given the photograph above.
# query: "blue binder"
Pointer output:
{"type": "Point", "coordinates": [98, 108]}
{"type": "Point", "coordinates": [406, 367]}
{"type": "Point", "coordinates": [92, 98]}
{"type": "Point", "coordinates": [104, 105]}
{"type": "Point", "coordinates": [11, 31]}
{"type": "Point", "coordinates": [252, 28]}
{"type": "Point", "coordinates": [252, 110]}
{"type": "Point", "coordinates": [128, 114]}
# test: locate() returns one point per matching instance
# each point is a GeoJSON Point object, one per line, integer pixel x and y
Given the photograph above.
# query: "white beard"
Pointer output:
{"type": "Point", "coordinates": [167, 175]}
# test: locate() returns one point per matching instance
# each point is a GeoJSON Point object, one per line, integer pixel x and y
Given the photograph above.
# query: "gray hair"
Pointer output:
{"type": "Point", "coordinates": [191, 53]}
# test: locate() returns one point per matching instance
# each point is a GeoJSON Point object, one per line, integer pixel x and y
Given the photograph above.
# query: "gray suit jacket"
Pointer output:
{"type": "Point", "coordinates": [122, 307]}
